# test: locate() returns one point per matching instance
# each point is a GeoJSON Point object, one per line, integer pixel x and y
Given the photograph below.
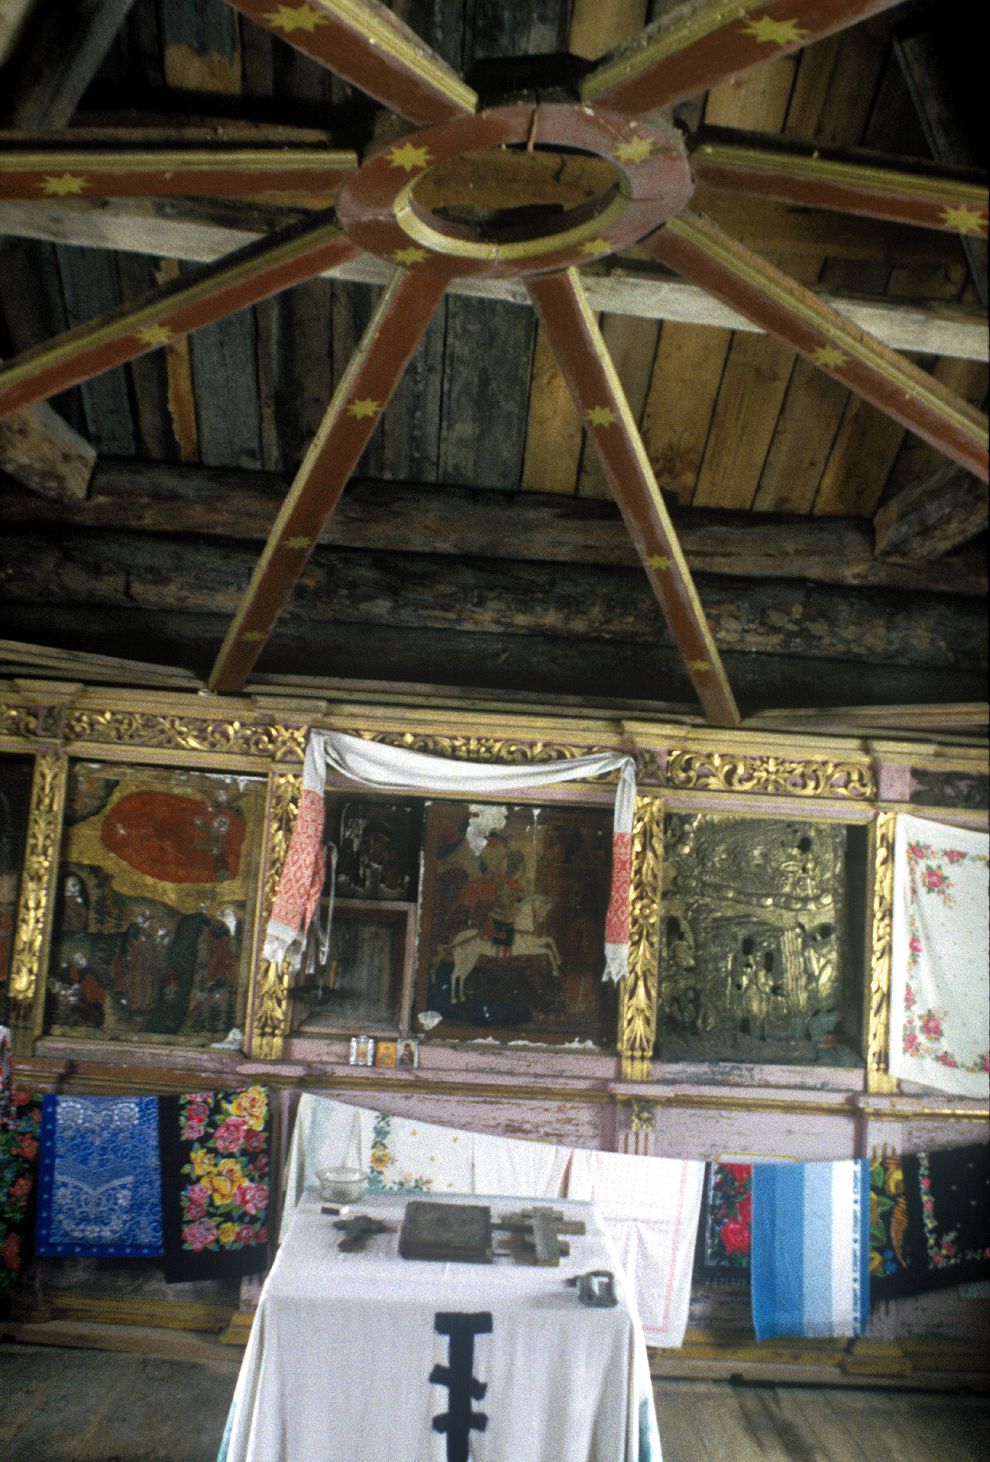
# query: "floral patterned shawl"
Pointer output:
{"type": "Point", "coordinates": [890, 1245]}
{"type": "Point", "coordinates": [948, 1208]}
{"type": "Point", "coordinates": [19, 1141]}
{"type": "Point", "coordinates": [215, 1183]}
{"type": "Point", "coordinates": [722, 1256]}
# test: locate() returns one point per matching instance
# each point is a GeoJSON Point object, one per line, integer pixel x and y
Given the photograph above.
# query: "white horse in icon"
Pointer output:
{"type": "Point", "coordinates": [469, 946]}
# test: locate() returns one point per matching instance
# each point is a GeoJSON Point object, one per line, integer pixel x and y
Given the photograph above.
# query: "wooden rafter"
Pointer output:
{"type": "Point", "coordinates": [594, 384]}
{"type": "Point", "coordinates": [372, 375]}
{"type": "Point", "coordinates": [365, 43]}
{"type": "Point", "coordinates": [703, 253]}
{"type": "Point", "coordinates": [698, 46]}
{"type": "Point", "coordinates": [165, 314]}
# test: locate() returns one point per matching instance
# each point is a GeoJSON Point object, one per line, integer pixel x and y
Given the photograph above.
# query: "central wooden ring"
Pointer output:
{"type": "Point", "coordinates": [517, 189]}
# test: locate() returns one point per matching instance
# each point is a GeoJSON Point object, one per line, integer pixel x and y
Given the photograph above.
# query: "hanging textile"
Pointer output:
{"type": "Point", "coordinates": [6, 1078]}
{"type": "Point", "coordinates": [19, 1143]}
{"type": "Point", "coordinates": [326, 1134]}
{"type": "Point", "coordinates": [514, 1167]}
{"type": "Point", "coordinates": [99, 1192]}
{"type": "Point", "coordinates": [890, 1245]}
{"type": "Point", "coordinates": [940, 986]}
{"type": "Point", "coordinates": [396, 769]}
{"type": "Point", "coordinates": [401, 1155]}
{"type": "Point", "coordinates": [650, 1206]}
{"type": "Point", "coordinates": [948, 1211]}
{"type": "Point", "coordinates": [724, 1239]}
{"type": "Point", "coordinates": [214, 1182]}
{"type": "Point", "coordinates": [811, 1248]}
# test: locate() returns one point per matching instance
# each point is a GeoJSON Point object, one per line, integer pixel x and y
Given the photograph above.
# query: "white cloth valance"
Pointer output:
{"type": "Point", "coordinates": [396, 769]}
{"type": "Point", "coordinates": [939, 982]}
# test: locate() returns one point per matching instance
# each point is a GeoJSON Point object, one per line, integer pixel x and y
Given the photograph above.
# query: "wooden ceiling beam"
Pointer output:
{"type": "Point", "coordinates": [594, 384]}
{"type": "Point", "coordinates": [205, 502]}
{"type": "Point", "coordinates": [932, 516]}
{"type": "Point", "coordinates": [44, 453]}
{"type": "Point", "coordinates": [700, 250]}
{"type": "Point", "coordinates": [624, 287]}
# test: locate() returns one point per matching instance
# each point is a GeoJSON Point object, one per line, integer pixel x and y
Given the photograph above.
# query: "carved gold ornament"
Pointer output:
{"type": "Point", "coordinates": [638, 992]}
{"type": "Point", "coordinates": [776, 776]}
{"type": "Point", "coordinates": [268, 740]}
{"type": "Point", "coordinates": [878, 1016]}
{"type": "Point", "coordinates": [270, 1011]}
{"type": "Point", "coordinates": [37, 897]}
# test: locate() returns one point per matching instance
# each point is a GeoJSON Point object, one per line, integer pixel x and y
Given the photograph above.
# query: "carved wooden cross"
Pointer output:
{"type": "Point", "coordinates": [358, 1230]}
{"type": "Point", "coordinates": [540, 1229]}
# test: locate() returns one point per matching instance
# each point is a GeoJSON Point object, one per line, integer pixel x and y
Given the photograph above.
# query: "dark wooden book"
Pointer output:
{"type": "Point", "coordinates": [457, 1232]}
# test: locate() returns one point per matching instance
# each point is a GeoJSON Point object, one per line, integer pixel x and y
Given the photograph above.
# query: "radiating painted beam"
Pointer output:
{"type": "Point", "coordinates": [696, 46]}
{"type": "Point", "coordinates": [700, 251]}
{"type": "Point", "coordinates": [362, 394]}
{"type": "Point", "coordinates": [365, 43]}
{"type": "Point", "coordinates": [856, 183]}
{"type": "Point", "coordinates": [111, 171]}
{"type": "Point", "coordinates": [205, 295]}
{"type": "Point", "coordinates": [594, 383]}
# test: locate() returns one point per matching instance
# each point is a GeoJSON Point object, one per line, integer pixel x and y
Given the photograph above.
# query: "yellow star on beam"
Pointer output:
{"type": "Point", "coordinates": [700, 665]}
{"type": "Point", "coordinates": [364, 408]}
{"type": "Point", "coordinates": [154, 335]}
{"type": "Point", "coordinates": [600, 416]}
{"type": "Point", "coordinates": [298, 542]}
{"type": "Point", "coordinates": [658, 561]}
{"type": "Point", "coordinates": [966, 220]}
{"type": "Point", "coordinates": [409, 157]}
{"type": "Point", "coordinates": [412, 255]}
{"type": "Point", "coordinates": [766, 30]}
{"type": "Point", "coordinates": [637, 149]}
{"type": "Point", "coordinates": [597, 246]}
{"type": "Point", "coordinates": [253, 636]}
{"type": "Point", "coordinates": [300, 17]}
{"type": "Point", "coordinates": [830, 357]}
{"type": "Point", "coordinates": [63, 187]}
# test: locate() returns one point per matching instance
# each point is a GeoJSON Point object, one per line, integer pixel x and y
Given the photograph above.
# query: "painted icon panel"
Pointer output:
{"type": "Point", "coordinates": [158, 881]}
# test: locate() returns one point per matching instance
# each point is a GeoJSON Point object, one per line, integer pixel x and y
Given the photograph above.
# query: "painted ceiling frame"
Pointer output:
{"type": "Point", "coordinates": [399, 203]}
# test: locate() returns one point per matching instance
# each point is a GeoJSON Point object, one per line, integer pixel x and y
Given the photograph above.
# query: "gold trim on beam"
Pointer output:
{"type": "Point", "coordinates": [268, 1020]}
{"type": "Point", "coordinates": [179, 160]}
{"type": "Point", "coordinates": [638, 991]}
{"type": "Point", "coordinates": [35, 909]}
{"type": "Point", "coordinates": [879, 935]}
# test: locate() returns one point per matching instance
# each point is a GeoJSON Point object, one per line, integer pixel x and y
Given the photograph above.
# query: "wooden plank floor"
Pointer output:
{"type": "Point", "coordinates": [77, 1405]}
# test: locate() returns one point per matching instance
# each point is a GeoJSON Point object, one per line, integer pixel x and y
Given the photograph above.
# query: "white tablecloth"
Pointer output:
{"type": "Point", "coordinates": [342, 1349]}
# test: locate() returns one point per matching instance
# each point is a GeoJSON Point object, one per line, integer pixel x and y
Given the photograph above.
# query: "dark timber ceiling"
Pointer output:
{"type": "Point", "coordinates": [840, 560]}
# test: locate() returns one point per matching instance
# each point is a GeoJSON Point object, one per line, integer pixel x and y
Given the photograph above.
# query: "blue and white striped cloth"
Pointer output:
{"type": "Point", "coordinates": [811, 1248]}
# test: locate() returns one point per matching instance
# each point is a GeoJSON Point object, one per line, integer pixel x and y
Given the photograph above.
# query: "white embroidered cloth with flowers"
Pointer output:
{"type": "Point", "coordinates": [364, 1356]}
{"type": "Point", "coordinates": [939, 983]}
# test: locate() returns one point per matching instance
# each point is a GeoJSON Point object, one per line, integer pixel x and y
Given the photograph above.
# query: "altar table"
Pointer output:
{"type": "Point", "coordinates": [369, 1357]}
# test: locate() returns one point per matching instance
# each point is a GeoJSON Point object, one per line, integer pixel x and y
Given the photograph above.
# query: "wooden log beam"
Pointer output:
{"type": "Point", "coordinates": [60, 52]}
{"type": "Point", "coordinates": [46, 454]}
{"type": "Point", "coordinates": [622, 287]}
{"type": "Point", "coordinates": [932, 516]}
{"type": "Point", "coordinates": [647, 676]}
{"type": "Point", "coordinates": [167, 498]}
{"type": "Point", "coordinates": [121, 570]}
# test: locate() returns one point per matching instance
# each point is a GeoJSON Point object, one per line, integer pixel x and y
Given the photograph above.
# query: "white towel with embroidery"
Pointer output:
{"type": "Point", "coordinates": [513, 1167]}
{"type": "Point", "coordinates": [939, 980]}
{"type": "Point", "coordinates": [651, 1207]}
{"type": "Point", "coordinates": [402, 1155]}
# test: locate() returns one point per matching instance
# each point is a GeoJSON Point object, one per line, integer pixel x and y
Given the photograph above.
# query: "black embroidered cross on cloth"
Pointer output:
{"type": "Point", "coordinates": [215, 1183]}
{"type": "Point", "coordinates": [948, 1214]}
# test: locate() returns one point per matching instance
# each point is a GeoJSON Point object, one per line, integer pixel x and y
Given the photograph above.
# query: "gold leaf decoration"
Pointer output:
{"type": "Point", "coordinates": [770, 775]}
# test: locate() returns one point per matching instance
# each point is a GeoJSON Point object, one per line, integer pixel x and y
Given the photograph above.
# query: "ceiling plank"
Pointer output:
{"type": "Point", "coordinates": [375, 369]}
{"type": "Point", "coordinates": [698, 249]}
{"type": "Point", "coordinates": [364, 43]}
{"type": "Point", "coordinates": [687, 373]}
{"type": "Point", "coordinates": [204, 295]}
{"type": "Point", "coordinates": [698, 47]}
{"type": "Point", "coordinates": [159, 498]}
{"type": "Point", "coordinates": [623, 287]}
{"type": "Point", "coordinates": [61, 50]}
{"type": "Point", "coordinates": [594, 384]}
{"type": "Point", "coordinates": [751, 394]}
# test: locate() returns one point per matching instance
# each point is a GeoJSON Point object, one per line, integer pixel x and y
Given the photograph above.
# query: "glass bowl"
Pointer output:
{"type": "Point", "coordinates": [340, 1185]}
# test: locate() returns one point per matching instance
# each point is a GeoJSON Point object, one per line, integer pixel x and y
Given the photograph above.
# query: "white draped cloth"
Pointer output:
{"type": "Point", "coordinates": [350, 1356]}
{"type": "Point", "coordinates": [518, 1167]}
{"type": "Point", "coordinates": [397, 769]}
{"type": "Point", "coordinates": [939, 983]}
{"type": "Point", "coordinates": [651, 1207]}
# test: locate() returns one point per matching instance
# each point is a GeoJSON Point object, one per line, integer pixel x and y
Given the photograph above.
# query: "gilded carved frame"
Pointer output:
{"type": "Point", "coordinates": [57, 723]}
